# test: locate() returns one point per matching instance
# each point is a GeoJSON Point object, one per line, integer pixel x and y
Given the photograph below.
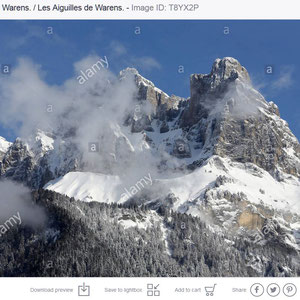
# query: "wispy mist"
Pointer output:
{"type": "Point", "coordinates": [240, 101]}
{"type": "Point", "coordinates": [16, 198]}
{"type": "Point", "coordinates": [93, 112]}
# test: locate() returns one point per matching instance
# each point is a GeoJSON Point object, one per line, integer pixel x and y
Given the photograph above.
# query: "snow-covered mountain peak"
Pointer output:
{"type": "Point", "coordinates": [41, 141]}
{"type": "Point", "coordinates": [225, 88]}
{"type": "Point", "coordinates": [229, 67]}
{"type": "Point", "coordinates": [140, 81]}
{"type": "Point", "coordinates": [4, 144]}
{"type": "Point", "coordinates": [128, 72]}
{"type": "Point", "coordinates": [223, 74]}
{"type": "Point", "coordinates": [36, 144]}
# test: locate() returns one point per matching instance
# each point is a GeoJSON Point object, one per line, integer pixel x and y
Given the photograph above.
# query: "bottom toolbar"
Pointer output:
{"type": "Point", "coordinates": [147, 288]}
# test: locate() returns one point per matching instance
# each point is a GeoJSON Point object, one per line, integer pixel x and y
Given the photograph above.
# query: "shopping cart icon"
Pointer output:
{"type": "Point", "coordinates": [210, 290]}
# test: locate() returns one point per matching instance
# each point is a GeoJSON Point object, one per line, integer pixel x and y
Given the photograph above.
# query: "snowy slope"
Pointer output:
{"type": "Point", "coordinates": [86, 186]}
{"type": "Point", "coordinates": [258, 186]}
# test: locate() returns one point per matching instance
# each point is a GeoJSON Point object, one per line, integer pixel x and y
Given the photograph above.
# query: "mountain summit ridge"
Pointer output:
{"type": "Point", "coordinates": [224, 116]}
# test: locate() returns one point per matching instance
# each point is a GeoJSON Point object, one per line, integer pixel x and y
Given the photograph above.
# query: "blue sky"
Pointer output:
{"type": "Point", "coordinates": [160, 48]}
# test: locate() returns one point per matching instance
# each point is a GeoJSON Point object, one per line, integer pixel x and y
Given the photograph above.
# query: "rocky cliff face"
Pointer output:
{"type": "Point", "coordinates": [208, 89]}
{"type": "Point", "coordinates": [17, 163]}
{"type": "Point", "coordinates": [36, 160]}
{"type": "Point", "coordinates": [227, 117]}
{"type": "Point", "coordinates": [152, 104]}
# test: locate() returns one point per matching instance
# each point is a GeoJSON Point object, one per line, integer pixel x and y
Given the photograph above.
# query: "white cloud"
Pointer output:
{"type": "Point", "coordinates": [117, 48]}
{"type": "Point", "coordinates": [285, 79]}
{"type": "Point", "coordinates": [16, 198]}
{"type": "Point", "coordinates": [31, 32]}
{"type": "Point", "coordinates": [120, 53]}
{"type": "Point", "coordinates": [95, 111]}
{"type": "Point", "coordinates": [146, 63]}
